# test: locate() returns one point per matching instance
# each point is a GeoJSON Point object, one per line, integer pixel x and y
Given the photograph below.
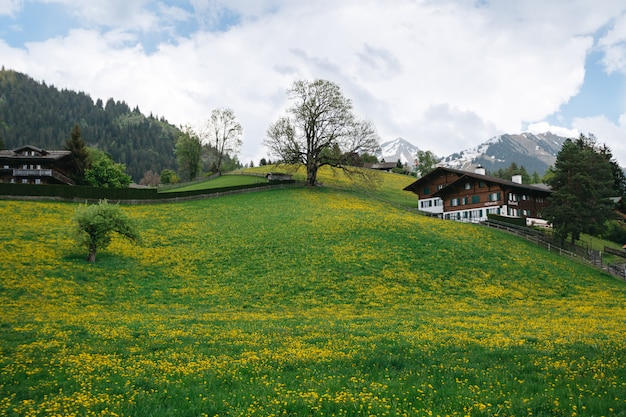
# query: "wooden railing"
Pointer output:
{"type": "Point", "coordinates": [617, 252]}
{"type": "Point", "coordinates": [42, 173]}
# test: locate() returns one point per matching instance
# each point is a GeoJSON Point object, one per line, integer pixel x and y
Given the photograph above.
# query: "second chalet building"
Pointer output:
{"type": "Point", "coordinates": [471, 196]}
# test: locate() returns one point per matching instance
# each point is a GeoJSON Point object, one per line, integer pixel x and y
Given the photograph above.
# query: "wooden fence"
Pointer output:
{"type": "Point", "coordinates": [582, 253]}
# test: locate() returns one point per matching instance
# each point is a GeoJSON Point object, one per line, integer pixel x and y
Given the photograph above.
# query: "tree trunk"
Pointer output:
{"type": "Point", "coordinates": [92, 256]}
{"type": "Point", "coordinates": [311, 176]}
{"type": "Point", "coordinates": [311, 171]}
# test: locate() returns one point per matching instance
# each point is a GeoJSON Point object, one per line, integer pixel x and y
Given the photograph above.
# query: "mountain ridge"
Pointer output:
{"type": "Point", "coordinates": [535, 152]}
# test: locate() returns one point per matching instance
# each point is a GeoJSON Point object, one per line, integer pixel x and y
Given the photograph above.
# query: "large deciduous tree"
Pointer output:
{"type": "Point", "coordinates": [188, 153]}
{"type": "Point", "coordinates": [582, 183]}
{"type": "Point", "coordinates": [96, 223]}
{"type": "Point", "coordinates": [223, 131]}
{"type": "Point", "coordinates": [320, 129]}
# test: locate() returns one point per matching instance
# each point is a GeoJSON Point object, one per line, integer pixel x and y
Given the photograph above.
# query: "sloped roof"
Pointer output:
{"type": "Point", "coordinates": [426, 178]}
{"type": "Point", "coordinates": [42, 153]}
{"type": "Point", "coordinates": [467, 174]}
{"type": "Point", "coordinates": [494, 180]}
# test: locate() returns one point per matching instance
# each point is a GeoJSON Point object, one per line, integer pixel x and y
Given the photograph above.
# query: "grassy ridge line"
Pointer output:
{"type": "Point", "coordinates": [219, 182]}
{"type": "Point", "coordinates": [383, 186]}
{"type": "Point", "coordinates": [301, 302]}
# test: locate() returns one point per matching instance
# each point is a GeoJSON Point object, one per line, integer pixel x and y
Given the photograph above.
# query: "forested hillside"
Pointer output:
{"type": "Point", "coordinates": [37, 114]}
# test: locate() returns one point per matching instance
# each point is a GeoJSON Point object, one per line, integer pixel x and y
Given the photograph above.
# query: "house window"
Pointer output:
{"type": "Point", "coordinates": [465, 201]}
{"type": "Point", "coordinates": [454, 202]}
{"type": "Point", "coordinates": [12, 180]}
{"type": "Point", "coordinates": [468, 186]}
{"type": "Point", "coordinates": [525, 197]}
{"type": "Point", "coordinates": [426, 190]}
{"type": "Point", "coordinates": [475, 199]}
{"type": "Point", "coordinates": [526, 213]}
{"type": "Point", "coordinates": [539, 200]}
{"type": "Point", "coordinates": [24, 166]}
{"type": "Point", "coordinates": [494, 197]}
{"type": "Point", "coordinates": [37, 180]}
{"type": "Point", "coordinates": [481, 184]}
{"type": "Point", "coordinates": [24, 180]}
{"type": "Point", "coordinates": [440, 186]}
{"type": "Point", "coordinates": [512, 197]}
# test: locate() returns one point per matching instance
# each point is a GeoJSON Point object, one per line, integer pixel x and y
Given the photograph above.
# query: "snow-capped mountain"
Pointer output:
{"type": "Point", "coordinates": [396, 149]}
{"type": "Point", "coordinates": [535, 152]}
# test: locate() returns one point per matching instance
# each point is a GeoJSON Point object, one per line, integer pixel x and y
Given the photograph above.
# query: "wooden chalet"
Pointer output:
{"type": "Point", "coordinates": [32, 165]}
{"type": "Point", "coordinates": [471, 196]}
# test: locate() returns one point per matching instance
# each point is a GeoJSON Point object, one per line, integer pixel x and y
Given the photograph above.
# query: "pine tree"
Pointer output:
{"type": "Point", "coordinates": [582, 182]}
{"type": "Point", "coordinates": [77, 146]}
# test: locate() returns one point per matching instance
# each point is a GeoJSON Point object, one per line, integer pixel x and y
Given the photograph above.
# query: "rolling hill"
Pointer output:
{"type": "Point", "coordinates": [301, 302]}
{"type": "Point", "coordinates": [41, 115]}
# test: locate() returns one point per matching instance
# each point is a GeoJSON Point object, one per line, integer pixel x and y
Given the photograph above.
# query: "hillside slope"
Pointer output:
{"type": "Point", "coordinates": [37, 114]}
{"type": "Point", "coordinates": [301, 302]}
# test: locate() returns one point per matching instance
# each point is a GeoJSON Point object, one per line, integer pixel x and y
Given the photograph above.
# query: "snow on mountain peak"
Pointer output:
{"type": "Point", "coordinates": [398, 148]}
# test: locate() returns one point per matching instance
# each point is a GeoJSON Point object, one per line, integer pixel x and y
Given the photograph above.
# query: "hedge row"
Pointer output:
{"type": "Point", "coordinates": [114, 194]}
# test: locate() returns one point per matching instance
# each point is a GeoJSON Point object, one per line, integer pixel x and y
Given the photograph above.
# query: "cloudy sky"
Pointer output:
{"type": "Point", "coordinates": [444, 74]}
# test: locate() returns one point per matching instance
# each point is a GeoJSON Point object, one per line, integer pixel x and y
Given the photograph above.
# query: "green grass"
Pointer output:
{"type": "Point", "coordinates": [383, 185]}
{"type": "Point", "coordinates": [301, 302]}
{"type": "Point", "coordinates": [219, 182]}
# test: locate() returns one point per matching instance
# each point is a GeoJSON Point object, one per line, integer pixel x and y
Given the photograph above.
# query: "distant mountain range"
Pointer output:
{"type": "Point", "coordinates": [536, 152]}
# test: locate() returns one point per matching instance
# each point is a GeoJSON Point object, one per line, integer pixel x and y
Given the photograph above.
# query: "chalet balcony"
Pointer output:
{"type": "Point", "coordinates": [40, 173]}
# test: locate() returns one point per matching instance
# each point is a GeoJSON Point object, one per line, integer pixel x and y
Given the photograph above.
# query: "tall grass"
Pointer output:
{"type": "Point", "coordinates": [301, 302]}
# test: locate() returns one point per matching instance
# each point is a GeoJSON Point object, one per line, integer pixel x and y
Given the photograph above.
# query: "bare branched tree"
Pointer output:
{"type": "Point", "coordinates": [320, 129]}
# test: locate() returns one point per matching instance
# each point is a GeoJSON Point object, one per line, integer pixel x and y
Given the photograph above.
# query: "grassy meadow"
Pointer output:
{"type": "Point", "coordinates": [219, 182]}
{"type": "Point", "coordinates": [300, 302]}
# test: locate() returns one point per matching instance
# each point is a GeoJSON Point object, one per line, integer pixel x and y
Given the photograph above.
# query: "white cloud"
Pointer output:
{"type": "Point", "coordinates": [605, 131]}
{"type": "Point", "coordinates": [10, 7]}
{"type": "Point", "coordinates": [442, 74]}
{"type": "Point", "coordinates": [614, 46]}
{"type": "Point", "coordinates": [543, 127]}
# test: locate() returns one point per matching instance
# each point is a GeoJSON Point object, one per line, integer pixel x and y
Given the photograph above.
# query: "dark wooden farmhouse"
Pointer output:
{"type": "Point", "coordinates": [471, 196]}
{"type": "Point", "coordinates": [32, 165]}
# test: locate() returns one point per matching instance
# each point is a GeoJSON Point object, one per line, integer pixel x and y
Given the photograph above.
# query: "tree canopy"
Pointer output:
{"type": "Point", "coordinates": [189, 153]}
{"type": "Point", "coordinates": [96, 223]}
{"type": "Point", "coordinates": [426, 162]}
{"type": "Point", "coordinates": [320, 129]}
{"type": "Point", "coordinates": [33, 113]}
{"type": "Point", "coordinates": [106, 173]}
{"type": "Point", "coordinates": [582, 183]}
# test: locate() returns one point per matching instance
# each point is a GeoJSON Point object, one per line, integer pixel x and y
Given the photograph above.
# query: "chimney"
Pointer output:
{"type": "Point", "coordinates": [517, 179]}
{"type": "Point", "coordinates": [480, 170]}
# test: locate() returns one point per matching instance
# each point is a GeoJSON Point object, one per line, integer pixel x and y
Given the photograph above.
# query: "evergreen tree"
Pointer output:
{"type": "Point", "coordinates": [513, 170]}
{"type": "Point", "coordinates": [582, 182]}
{"type": "Point", "coordinates": [77, 146]}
